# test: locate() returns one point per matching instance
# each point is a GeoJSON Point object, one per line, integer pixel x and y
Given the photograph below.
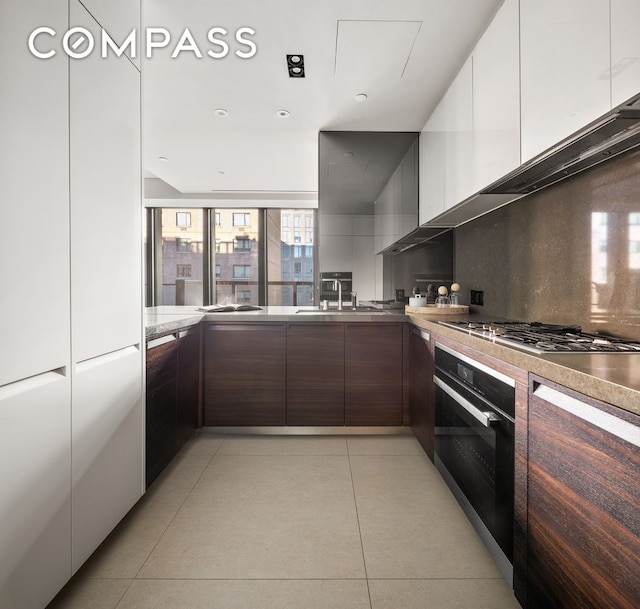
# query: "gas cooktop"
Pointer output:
{"type": "Point", "coordinates": [539, 338]}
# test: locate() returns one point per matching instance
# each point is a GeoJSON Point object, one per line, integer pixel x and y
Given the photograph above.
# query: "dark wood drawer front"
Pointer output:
{"type": "Point", "coordinates": [373, 374]}
{"type": "Point", "coordinates": [245, 375]}
{"type": "Point", "coordinates": [315, 374]}
{"type": "Point", "coordinates": [162, 363]}
{"type": "Point", "coordinates": [584, 505]}
{"type": "Point", "coordinates": [421, 392]}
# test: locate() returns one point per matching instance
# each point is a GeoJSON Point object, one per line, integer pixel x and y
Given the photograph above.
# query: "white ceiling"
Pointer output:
{"type": "Point", "coordinates": [401, 53]}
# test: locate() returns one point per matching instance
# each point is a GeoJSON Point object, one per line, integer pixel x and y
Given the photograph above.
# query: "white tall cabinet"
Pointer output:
{"type": "Point", "coordinates": [106, 398]}
{"type": "Point", "coordinates": [71, 439]}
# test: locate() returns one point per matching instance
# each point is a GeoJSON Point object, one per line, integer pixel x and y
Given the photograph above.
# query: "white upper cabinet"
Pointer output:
{"type": "Point", "coordinates": [396, 209]}
{"type": "Point", "coordinates": [431, 159]}
{"type": "Point", "coordinates": [106, 249]}
{"type": "Point", "coordinates": [625, 50]}
{"type": "Point", "coordinates": [458, 144]}
{"type": "Point", "coordinates": [496, 98]}
{"type": "Point", "coordinates": [565, 62]}
{"type": "Point", "coordinates": [34, 172]}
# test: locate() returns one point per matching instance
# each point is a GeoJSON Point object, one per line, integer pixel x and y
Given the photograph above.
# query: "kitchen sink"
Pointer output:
{"type": "Point", "coordinates": [345, 311]}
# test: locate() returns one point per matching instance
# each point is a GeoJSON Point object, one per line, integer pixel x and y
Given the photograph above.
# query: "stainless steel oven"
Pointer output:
{"type": "Point", "coordinates": [474, 446]}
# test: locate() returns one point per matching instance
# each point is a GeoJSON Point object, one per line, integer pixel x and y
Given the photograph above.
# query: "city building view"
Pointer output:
{"type": "Point", "coordinates": [236, 266]}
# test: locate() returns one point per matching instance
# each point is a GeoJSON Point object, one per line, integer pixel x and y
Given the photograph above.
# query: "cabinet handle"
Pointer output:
{"type": "Point", "coordinates": [603, 420]}
{"type": "Point", "coordinates": [486, 418]}
{"type": "Point", "coordinates": [100, 360]}
{"type": "Point", "coordinates": [156, 342]}
{"type": "Point", "coordinates": [422, 334]}
{"type": "Point", "coordinates": [32, 382]}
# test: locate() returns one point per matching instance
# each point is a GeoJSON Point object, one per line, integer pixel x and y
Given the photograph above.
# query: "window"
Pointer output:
{"type": "Point", "coordinates": [241, 244]}
{"type": "Point", "coordinates": [241, 219]}
{"type": "Point", "coordinates": [178, 255]}
{"type": "Point", "coordinates": [183, 246]}
{"type": "Point", "coordinates": [237, 267]}
{"type": "Point", "coordinates": [309, 236]}
{"type": "Point", "coordinates": [241, 271]}
{"type": "Point", "coordinates": [183, 218]}
{"type": "Point", "coordinates": [183, 270]}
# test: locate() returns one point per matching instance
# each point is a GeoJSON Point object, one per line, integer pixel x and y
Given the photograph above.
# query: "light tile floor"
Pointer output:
{"type": "Point", "coordinates": [293, 522]}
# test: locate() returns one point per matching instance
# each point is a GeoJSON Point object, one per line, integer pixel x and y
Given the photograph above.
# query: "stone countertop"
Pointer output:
{"type": "Point", "coordinates": [166, 319]}
{"type": "Point", "coordinates": [611, 377]}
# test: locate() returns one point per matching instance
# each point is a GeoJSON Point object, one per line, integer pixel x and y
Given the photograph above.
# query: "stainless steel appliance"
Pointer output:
{"type": "Point", "coordinates": [474, 446]}
{"type": "Point", "coordinates": [536, 337]}
{"type": "Point", "coordinates": [329, 288]}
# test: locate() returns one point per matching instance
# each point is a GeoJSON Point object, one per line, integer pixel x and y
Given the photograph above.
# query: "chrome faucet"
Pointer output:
{"type": "Point", "coordinates": [337, 285]}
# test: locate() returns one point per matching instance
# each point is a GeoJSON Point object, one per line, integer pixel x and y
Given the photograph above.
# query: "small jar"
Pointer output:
{"type": "Point", "coordinates": [443, 299]}
{"type": "Point", "coordinates": [455, 294]}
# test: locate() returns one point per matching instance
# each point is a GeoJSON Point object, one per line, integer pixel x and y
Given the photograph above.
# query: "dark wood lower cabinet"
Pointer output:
{"type": "Point", "coordinates": [583, 502]}
{"type": "Point", "coordinates": [245, 374]}
{"type": "Point", "coordinates": [315, 374]}
{"type": "Point", "coordinates": [421, 390]}
{"type": "Point", "coordinates": [373, 373]}
{"type": "Point", "coordinates": [172, 398]}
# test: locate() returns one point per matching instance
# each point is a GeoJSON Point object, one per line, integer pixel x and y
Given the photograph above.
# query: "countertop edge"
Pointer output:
{"type": "Point", "coordinates": [563, 373]}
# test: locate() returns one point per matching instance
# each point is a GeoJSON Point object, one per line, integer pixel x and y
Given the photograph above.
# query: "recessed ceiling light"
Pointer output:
{"type": "Point", "coordinates": [221, 112]}
{"type": "Point", "coordinates": [361, 97]}
{"type": "Point", "coordinates": [163, 158]}
{"type": "Point", "coordinates": [283, 113]}
{"type": "Point", "coordinates": [348, 154]}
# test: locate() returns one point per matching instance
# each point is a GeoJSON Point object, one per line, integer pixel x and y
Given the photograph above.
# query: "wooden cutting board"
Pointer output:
{"type": "Point", "coordinates": [432, 310]}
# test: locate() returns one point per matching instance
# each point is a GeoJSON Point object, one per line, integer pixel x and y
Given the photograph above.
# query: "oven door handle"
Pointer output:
{"type": "Point", "coordinates": [487, 418]}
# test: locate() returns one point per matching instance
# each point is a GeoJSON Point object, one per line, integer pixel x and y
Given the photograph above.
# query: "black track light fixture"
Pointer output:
{"type": "Point", "coordinates": [295, 65]}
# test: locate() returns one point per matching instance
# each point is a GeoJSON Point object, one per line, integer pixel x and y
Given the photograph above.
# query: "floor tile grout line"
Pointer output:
{"type": "Point", "coordinates": [155, 545]}
{"type": "Point", "coordinates": [355, 502]}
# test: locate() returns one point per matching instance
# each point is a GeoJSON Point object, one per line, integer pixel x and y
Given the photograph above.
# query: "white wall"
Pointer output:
{"type": "Point", "coordinates": [347, 243]}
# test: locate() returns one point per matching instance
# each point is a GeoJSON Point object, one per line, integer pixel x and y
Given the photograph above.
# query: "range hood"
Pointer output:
{"type": "Point", "coordinates": [419, 235]}
{"type": "Point", "coordinates": [616, 132]}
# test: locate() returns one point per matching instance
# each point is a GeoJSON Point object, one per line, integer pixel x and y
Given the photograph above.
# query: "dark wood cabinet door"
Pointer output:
{"type": "Point", "coordinates": [315, 374]}
{"type": "Point", "coordinates": [160, 446]}
{"type": "Point", "coordinates": [188, 384]}
{"type": "Point", "coordinates": [245, 374]}
{"type": "Point", "coordinates": [373, 373]}
{"type": "Point", "coordinates": [161, 405]}
{"type": "Point", "coordinates": [421, 390]}
{"type": "Point", "coordinates": [583, 502]}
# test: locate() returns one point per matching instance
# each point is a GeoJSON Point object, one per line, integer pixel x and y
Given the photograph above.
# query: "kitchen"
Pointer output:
{"type": "Point", "coordinates": [564, 255]}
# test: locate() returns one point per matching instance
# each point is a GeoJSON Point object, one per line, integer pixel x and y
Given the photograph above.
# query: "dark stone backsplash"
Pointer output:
{"type": "Point", "coordinates": [567, 254]}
